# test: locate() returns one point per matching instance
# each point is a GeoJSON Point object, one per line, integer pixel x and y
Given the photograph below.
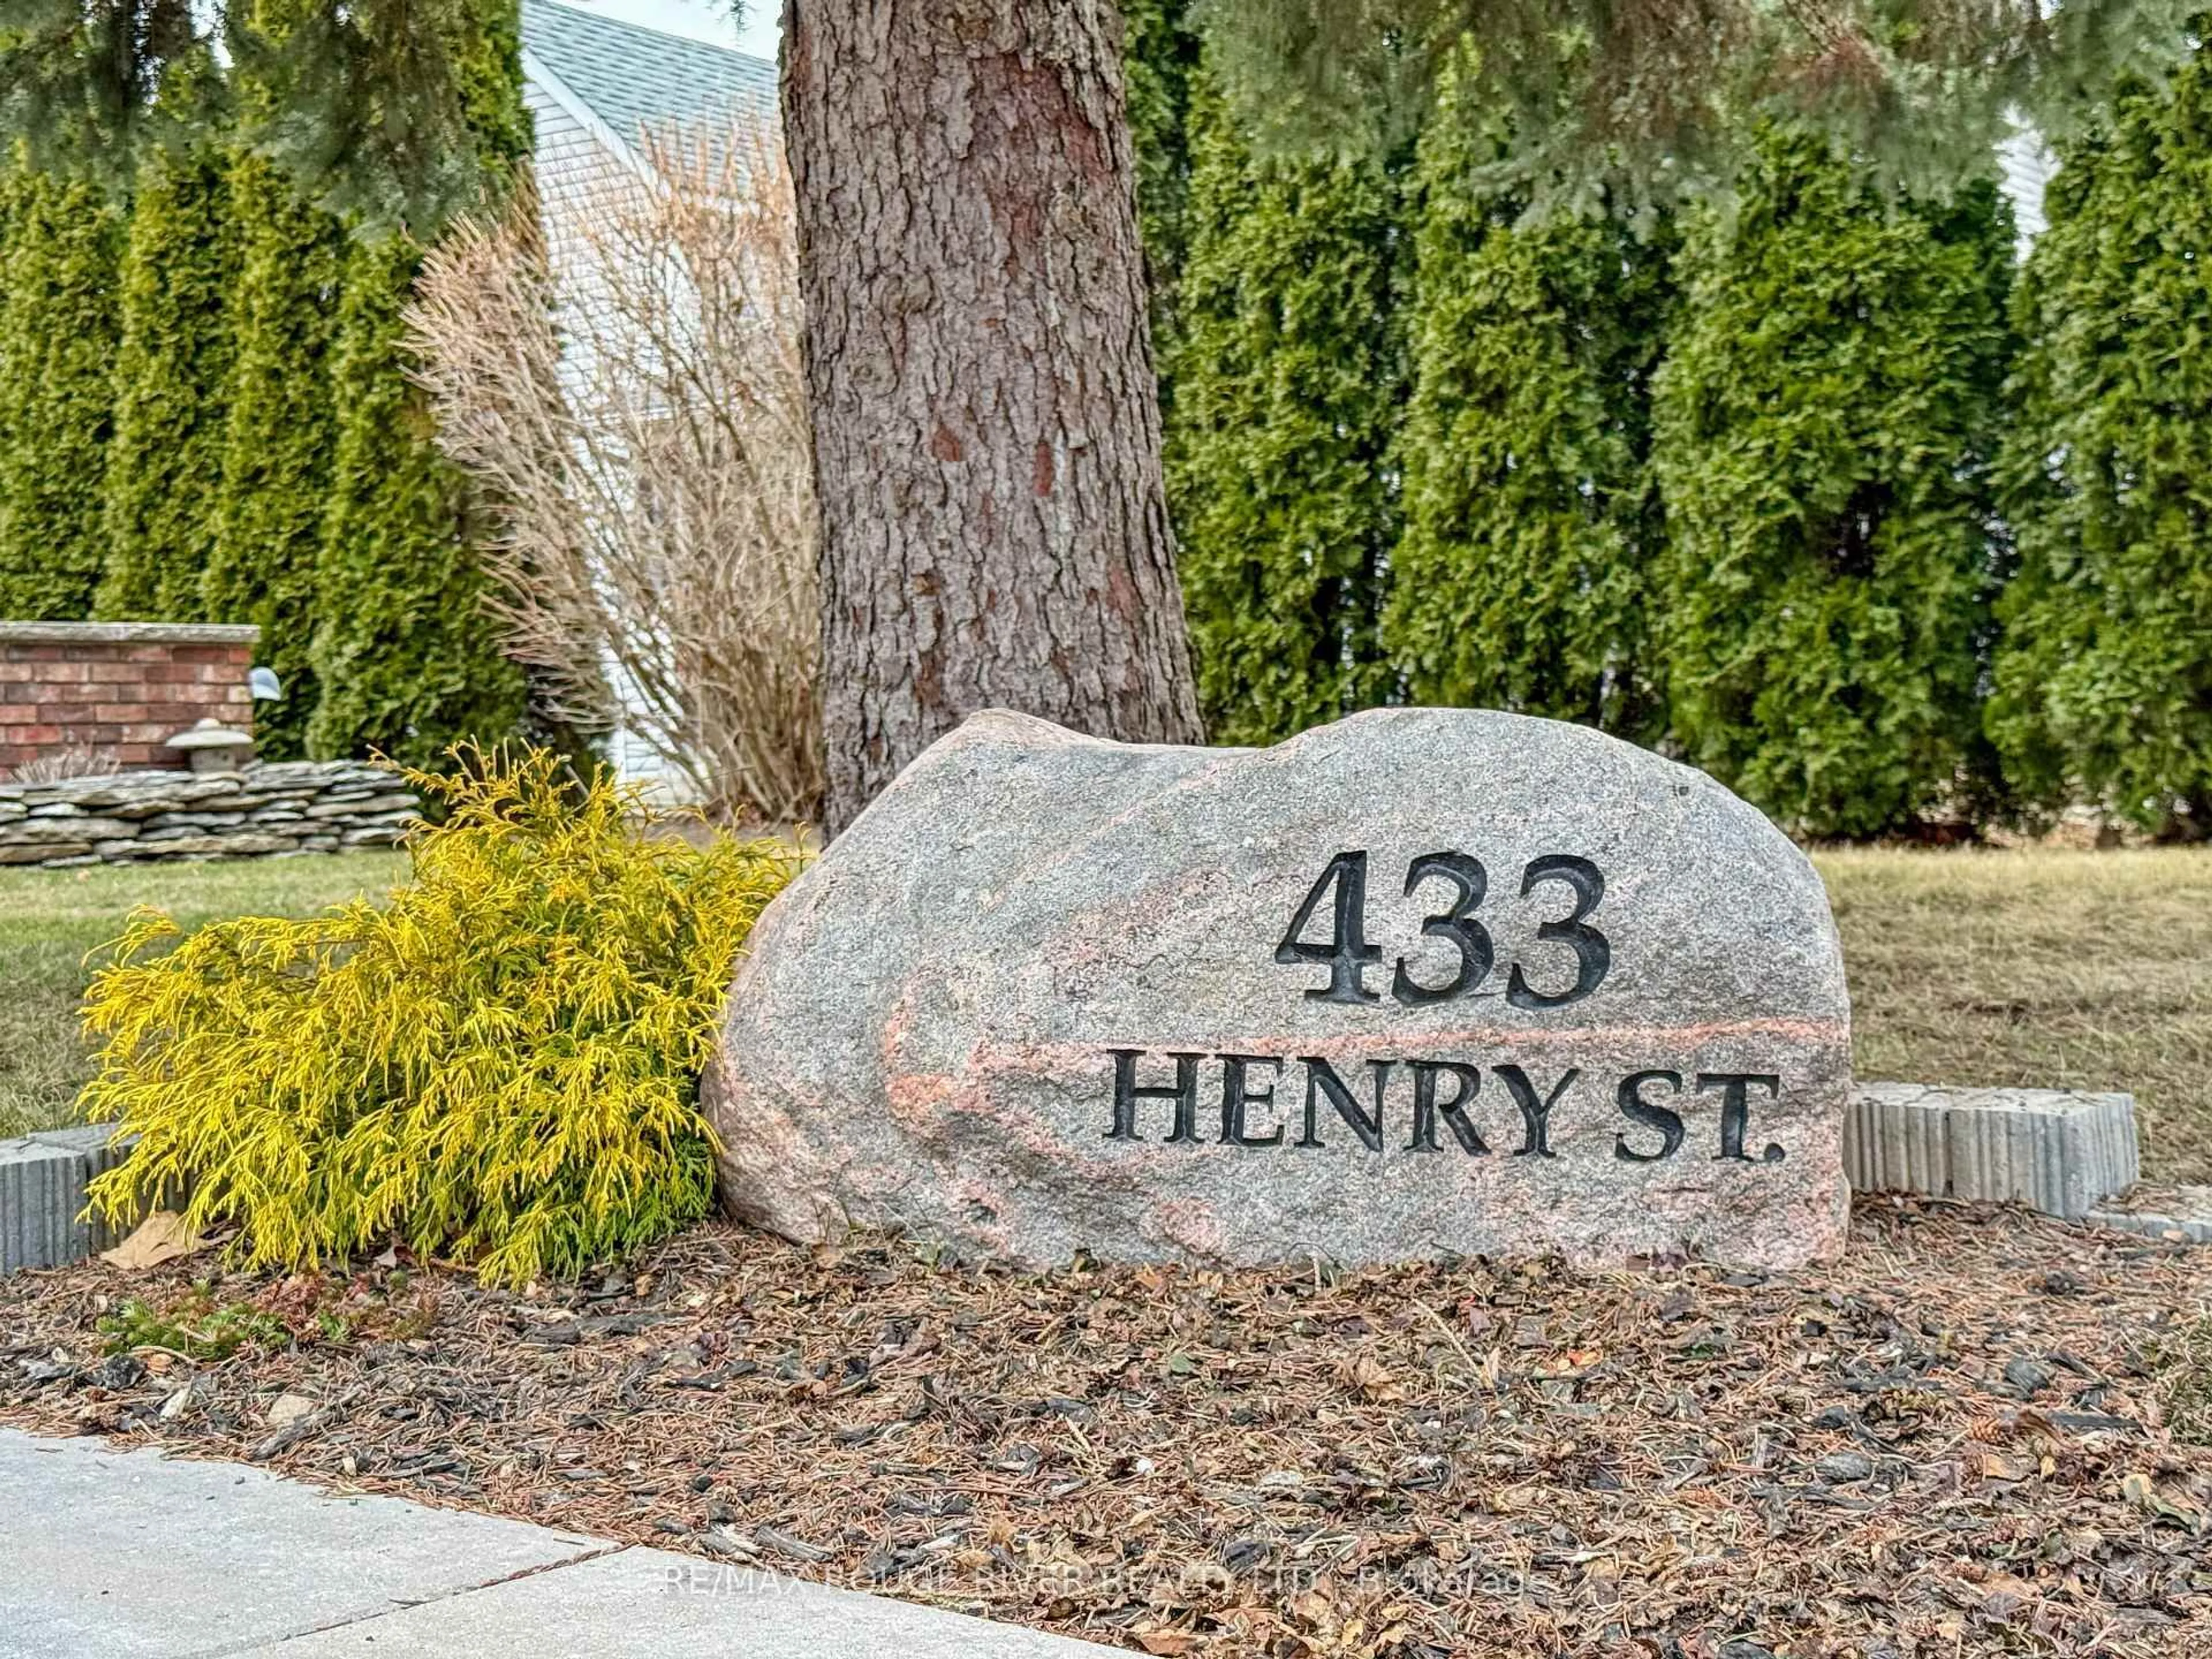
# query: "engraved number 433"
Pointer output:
{"type": "Point", "coordinates": [1348, 955]}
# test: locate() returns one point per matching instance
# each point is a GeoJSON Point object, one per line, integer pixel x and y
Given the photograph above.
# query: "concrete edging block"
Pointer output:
{"type": "Point", "coordinates": [2061, 1152]}
{"type": "Point", "coordinates": [43, 1176]}
{"type": "Point", "coordinates": [2170, 1214]}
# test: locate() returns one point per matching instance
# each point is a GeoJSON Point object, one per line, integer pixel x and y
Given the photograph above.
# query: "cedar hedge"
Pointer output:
{"type": "Point", "coordinates": [2103, 683]}
{"type": "Point", "coordinates": [1796, 490]}
{"type": "Point", "coordinates": [1287, 373]}
{"type": "Point", "coordinates": [1826, 419]}
{"type": "Point", "coordinates": [1531, 517]}
{"type": "Point", "coordinates": [57, 342]}
{"type": "Point", "coordinates": [204, 413]}
{"type": "Point", "coordinates": [278, 440]}
{"type": "Point", "coordinates": [164, 478]}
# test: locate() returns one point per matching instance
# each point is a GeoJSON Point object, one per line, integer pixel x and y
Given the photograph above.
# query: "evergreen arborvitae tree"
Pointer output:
{"type": "Point", "coordinates": [1160, 64]}
{"type": "Point", "coordinates": [1825, 422]}
{"type": "Point", "coordinates": [407, 658]}
{"type": "Point", "coordinates": [406, 653]}
{"type": "Point", "coordinates": [1530, 512]}
{"type": "Point", "coordinates": [1288, 374]}
{"type": "Point", "coordinates": [16, 182]}
{"type": "Point", "coordinates": [165, 463]}
{"type": "Point", "coordinates": [57, 333]}
{"type": "Point", "coordinates": [279, 433]}
{"type": "Point", "coordinates": [2103, 683]}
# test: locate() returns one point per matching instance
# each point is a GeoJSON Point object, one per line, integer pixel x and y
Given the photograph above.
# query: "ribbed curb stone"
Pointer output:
{"type": "Point", "coordinates": [2059, 1151]}
{"type": "Point", "coordinates": [1423, 982]}
{"type": "Point", "coordinates": [42, 1181]}
{"type": "Point", "coordinates": [269, 808]}
{"type": "Point", "coordinates": [2172, 1214]}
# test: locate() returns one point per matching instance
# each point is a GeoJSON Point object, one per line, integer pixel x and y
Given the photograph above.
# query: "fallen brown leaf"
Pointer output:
{"type": "Point", "coordinates": [161, 1237]}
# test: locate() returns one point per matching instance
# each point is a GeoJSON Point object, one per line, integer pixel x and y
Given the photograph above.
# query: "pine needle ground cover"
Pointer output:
{"type": "Point", "coordinates": [53, 921]}
{"type": "Point", "coordinates": [499, 1064]}
{"type": "Point", "coordinates": [1965, 1440]}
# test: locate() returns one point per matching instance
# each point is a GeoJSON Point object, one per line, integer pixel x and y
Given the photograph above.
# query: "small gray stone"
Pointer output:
{"type": "Point", "coordinates": [1840, 1468]}
{"type": "Point", "coordinates": [2028, 1377]}
{"type": "Point", "coordinates": [30, 831]}
{"type": "Point", "coordinates": [981, 1013]}
{"type": "Point", "coordinates": [40, 852]}
{"type": "Point", "coordinates": [198, 820]}
{"type": "Point", "coordinates": [339, 806]}
{"type": "Point", "coordinates": [118, 1371]}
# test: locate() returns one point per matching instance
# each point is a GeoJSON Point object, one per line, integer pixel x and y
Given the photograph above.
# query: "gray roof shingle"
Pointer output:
{"type": "Point", "coordinates": [633, 78]}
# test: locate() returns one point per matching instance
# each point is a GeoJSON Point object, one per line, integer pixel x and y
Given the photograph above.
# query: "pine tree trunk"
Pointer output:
{"type": "Point", "coordinates": [987, 433]}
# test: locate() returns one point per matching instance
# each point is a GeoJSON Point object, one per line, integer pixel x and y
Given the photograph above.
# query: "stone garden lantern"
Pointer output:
{"type": "Point", "coordinates": [210, 746]}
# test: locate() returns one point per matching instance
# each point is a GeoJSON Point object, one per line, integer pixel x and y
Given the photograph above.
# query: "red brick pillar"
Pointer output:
{"type": "Point", "coordinates": [115, 692]}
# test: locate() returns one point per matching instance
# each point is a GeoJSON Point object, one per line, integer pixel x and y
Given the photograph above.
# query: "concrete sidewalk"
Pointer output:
{"type": "Point", "coordinates": [105, 1554]}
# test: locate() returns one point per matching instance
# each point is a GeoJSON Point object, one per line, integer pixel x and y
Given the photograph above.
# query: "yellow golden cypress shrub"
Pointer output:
{"type": "Point", "coordinates": [500, 1064]}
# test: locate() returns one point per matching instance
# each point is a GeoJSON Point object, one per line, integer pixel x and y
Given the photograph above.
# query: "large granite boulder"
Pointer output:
{"type": "Point", "coordinates": [1422, 981]}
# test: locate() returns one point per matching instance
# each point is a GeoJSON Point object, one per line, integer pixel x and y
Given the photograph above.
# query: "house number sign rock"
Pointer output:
{"type": "Point", "coordinates": [1422, 981]}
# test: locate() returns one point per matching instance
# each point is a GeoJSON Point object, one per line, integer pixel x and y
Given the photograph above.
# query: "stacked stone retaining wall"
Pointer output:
{"type": "Point", "coordinates": [264, 810]}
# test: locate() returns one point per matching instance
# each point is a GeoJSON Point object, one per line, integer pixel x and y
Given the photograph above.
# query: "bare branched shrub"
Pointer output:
{"type": "Point", "coordinates": [632, 403]}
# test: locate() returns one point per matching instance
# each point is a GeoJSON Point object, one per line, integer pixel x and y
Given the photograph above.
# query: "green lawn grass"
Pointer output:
{"type": "Point", "coordinates": [50, 920]}
{"type": "Point", "coordinates": [2045, 968]}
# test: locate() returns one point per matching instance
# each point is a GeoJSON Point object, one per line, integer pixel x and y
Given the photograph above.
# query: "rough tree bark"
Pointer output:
{"type": "Point", "coordinates": [987, 434]}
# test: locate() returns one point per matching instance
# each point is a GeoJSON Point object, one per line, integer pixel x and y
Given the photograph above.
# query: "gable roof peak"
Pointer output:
{"type": "Point", "coordinates": [628, 78]}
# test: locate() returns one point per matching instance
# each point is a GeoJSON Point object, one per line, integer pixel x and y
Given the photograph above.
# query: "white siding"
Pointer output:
{"type": "Point", "coordinates": [571, 164]}
{"type": "Point", "coordinates": [578, 173]}
{"type": "Point", "coordinates": [2025, 164]}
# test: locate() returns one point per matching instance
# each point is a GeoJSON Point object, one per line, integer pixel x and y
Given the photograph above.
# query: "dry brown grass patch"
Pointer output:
{"type": "Point", "coordinates": [2039, 968]}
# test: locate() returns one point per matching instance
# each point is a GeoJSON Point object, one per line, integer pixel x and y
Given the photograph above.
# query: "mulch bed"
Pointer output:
{"type": "Point", "coordinates": [1956, 1441]}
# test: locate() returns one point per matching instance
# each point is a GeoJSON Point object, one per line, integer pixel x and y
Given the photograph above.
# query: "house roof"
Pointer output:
{"type": "Point", "coordinates": [628, 78]}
